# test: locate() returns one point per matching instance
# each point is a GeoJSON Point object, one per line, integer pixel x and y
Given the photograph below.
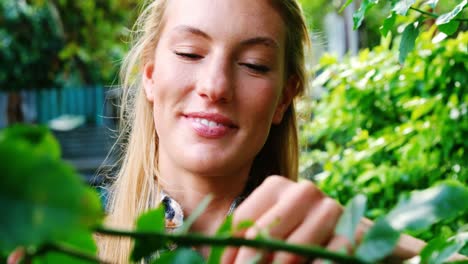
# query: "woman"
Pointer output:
{"type": "Point", "coordinates": [208, 109]}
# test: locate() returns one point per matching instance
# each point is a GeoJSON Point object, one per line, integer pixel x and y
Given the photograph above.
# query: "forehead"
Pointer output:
{"type": "Point", "coordinates": [227, 19]}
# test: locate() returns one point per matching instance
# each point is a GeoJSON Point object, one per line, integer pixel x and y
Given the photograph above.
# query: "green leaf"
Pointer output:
{"type": "Point", "coordinates": [447, 17]}
{"type": "Point", "coordinates": [351, 217]}
{"type": "Point", "coordinates": [408, 39]}
{"type": "Point", "coordinates": [39, 138]}
{"type": "Point", "coordinates": [423, 208]}
{"type": "Point", "coordinates": [439, 250]}
{"type": "Point", "coordinates": [151, 221]}
{"type": "Point", "coordinates": [225, 229]}
{"type": "Point", "coordinates": [449, 28]}
{"type": "Point", "coordinates": [402, 7]}
{"type": "Point", "coordinates": [81, 241]}
{"type": "Point", "coordinates": [378, 242]}
{"type": "Point", "coordinates": [388, 24]}
{"type": "Point", "coordinates": [183, 255]}
{"type": "Point", "coordinates": [358, 16]}
{"type": "Point", "coordinates": [432, 3]}
{"type": "Point", "coordinates": [195, 214]}
{"type": "Point", "coordinates": [47, 199]}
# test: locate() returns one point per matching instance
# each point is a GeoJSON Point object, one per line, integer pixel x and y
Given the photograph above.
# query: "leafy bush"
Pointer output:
{"type": "Point", "coordinates": [383, 129]}
{"type": "Point", "coordinates": [61, 42]}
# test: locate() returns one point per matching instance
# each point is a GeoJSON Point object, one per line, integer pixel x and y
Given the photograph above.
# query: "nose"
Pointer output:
{"type": "Point", "coordinates": [215, 82]}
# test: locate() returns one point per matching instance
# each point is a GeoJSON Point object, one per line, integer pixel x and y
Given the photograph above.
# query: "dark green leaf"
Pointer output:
{"type": "Point", "coordinates": [402, 6]}
{"type": "Point", "coordinates": [224, 230]}
{"type": "Point", "coordinates": [423, 208]}
{"type": "Point", "coordinates": [151, 221]}
{"type": "Point", "coordinates": [79, 241]}
{"type": "Point", "coordinates": [183, 255]}
{"type": "Point", "coordinates": [358, 17]}
{"type": "Point", "coordinates": [388, 24]}
{"type": "Point", "coordinates": [408, 39]}
{"type": "Point", "coordinates": [447, 17]}
{"type": "Point", "coordinates": [378, 242]}
{"type": "Point", "coordinates": [351, 217]}
{"type": "Point", "coordinates": [47, 199]}
{"type": "Point", "coordinates": [449, 28]}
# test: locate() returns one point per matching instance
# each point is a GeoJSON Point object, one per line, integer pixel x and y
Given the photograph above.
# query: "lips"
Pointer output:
{"type": "Point", "coordinates": [210, 125]}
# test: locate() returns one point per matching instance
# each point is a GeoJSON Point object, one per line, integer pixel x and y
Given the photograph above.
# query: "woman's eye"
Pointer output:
{"type": "Point", "coordinates": [256, 67]}
{"type": "Point", "coordinates": [190, 56]}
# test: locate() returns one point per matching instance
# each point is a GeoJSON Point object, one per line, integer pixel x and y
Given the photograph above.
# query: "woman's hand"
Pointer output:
{"type": "Point", "coordinates": [297, 213]}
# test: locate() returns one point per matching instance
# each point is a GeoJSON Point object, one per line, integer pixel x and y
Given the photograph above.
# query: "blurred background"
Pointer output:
{"type": "Point", "coordinates": [367, 125]}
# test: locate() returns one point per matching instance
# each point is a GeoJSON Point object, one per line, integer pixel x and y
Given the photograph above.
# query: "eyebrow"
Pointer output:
{"type": "Point", "coordinates": [266, 41]}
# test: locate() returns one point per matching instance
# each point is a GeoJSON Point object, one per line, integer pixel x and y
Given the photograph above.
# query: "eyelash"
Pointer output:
{"type": "Point", "coordinates": [190, 56]}
{"type": "Point", "coordinates": [254, 67]}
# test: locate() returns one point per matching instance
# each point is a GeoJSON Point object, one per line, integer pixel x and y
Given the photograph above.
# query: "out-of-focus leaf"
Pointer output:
{"type": "Point", "coordinates": [351, 217]}
{"type": "Point", "coordinates": [81, 241]}
{"type": "Point", "coordinates": [408, 39]}
{"type": "Point", "coordinates": [402, 6]}
{"type": "Point", "coordinates": [423, 208]}
{"type": "Point", "coordinates": [151, 221]}
{"type": "Point", "coordinates": [439, 250]}
{"type": "Point", "coordinates": [183, 255]}
{"type": "Point", "coordinates": [225, 229]}
{"type": "Point", "coordinates": [39, 139]}
{"type": "Point", "coordinates": [348, 2]}
{"type": "Point", "coordinates": [378, 242]}
{"type": "Point", "coordinates": [46, 198]}
{"type": "Point", "coordinates": [388, 24]}
{"type": "Point", "coordinates": [358, 17]}
{"type": "Point", "coordinates": [432, 3]}
{"type": "Point", "coordinates": [447, 17]}
{"type": "Point", "coordinates": [449, 28]}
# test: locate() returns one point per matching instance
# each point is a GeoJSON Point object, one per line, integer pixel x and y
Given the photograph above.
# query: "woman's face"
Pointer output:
{"type": "Point", "coordinates": [217, 84]}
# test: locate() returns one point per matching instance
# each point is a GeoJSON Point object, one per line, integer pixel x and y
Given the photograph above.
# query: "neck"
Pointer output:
{"type": "Point", "coordinates": [189, 189]}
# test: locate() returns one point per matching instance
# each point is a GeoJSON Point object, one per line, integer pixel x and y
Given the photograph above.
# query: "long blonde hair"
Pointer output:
{"type": "Point", "coordinates": [134, 189]}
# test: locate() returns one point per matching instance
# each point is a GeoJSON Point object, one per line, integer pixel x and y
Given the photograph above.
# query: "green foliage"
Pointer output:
{"type": "Point", "coordinates": [48, 204]}
{"type": "Point", "coordinates": [447, 23]}
{"type": "Point", "coordinates": [54, 220]}
{"type": "Point", "coordinates": [382, 129]}
{"type": "Point", "coordinates": [61, 42]}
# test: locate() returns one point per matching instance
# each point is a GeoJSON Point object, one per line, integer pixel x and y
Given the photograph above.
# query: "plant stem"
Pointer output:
{"type": "Point", "coordinates": [70, 251]}
{"type": "Point", "coordinates": [424, 12]}
{"type": "Point", "coordinates": [433, 15]}
{"type": "Point", "coordinates": [197, 239]}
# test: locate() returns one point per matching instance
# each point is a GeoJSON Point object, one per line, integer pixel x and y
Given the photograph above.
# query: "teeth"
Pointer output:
{"type": "Point", "coordinates": [207, 122]}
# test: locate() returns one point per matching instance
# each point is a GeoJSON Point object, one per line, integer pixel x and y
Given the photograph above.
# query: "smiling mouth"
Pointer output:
{"type": "Point", "coordinates": [207, 122]}
{"type": "Point", "coordinates": [211, 120]}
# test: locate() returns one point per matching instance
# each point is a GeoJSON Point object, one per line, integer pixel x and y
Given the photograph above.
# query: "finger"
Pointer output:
{"type": "Point", "coordinates": [261, 199]}
{"type": "Point", "coordinates": [283, 218]}
{"type": "Point", "coordinates": [316, 229]}
{"type": "Point", "coordinates": [16, 256]}
{"type": "Point", "coordinates": [258, 202]}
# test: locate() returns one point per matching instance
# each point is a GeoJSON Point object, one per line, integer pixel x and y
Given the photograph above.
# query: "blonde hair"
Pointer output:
{"type": "Point", "coordinates": [134, 189]}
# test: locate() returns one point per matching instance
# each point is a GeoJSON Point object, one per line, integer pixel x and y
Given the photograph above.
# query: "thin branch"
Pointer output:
{"type": "Point", "coordinates": [433, 15]}
{"type": "Point", "coordinates": [424, 12]}
{"type": "Point", "coordinates": [275, 245]}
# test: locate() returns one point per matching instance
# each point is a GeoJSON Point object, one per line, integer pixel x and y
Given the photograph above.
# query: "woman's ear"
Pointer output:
{"type": "Point", "coordinates": [289, 91]}
{"type": "Point", "coordinates": [148, 81]}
